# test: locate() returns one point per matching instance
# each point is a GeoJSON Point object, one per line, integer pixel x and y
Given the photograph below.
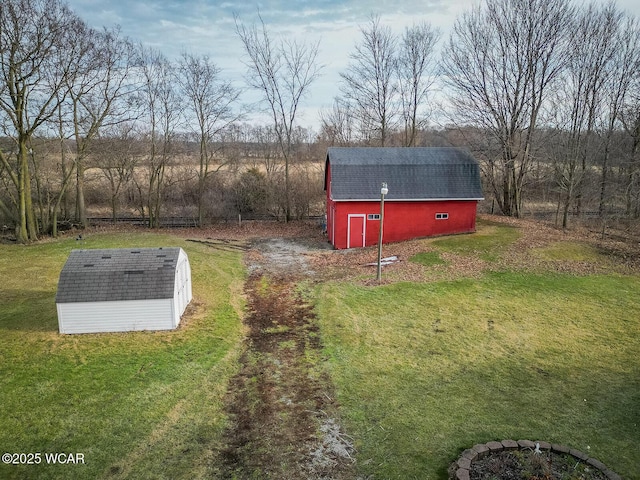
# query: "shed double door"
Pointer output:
{"type": "Point", "coordinates": [356, 231]}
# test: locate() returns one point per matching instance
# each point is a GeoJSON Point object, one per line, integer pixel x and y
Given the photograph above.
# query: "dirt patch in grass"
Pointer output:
{"type": "Point", "coordinates": [284, 421]}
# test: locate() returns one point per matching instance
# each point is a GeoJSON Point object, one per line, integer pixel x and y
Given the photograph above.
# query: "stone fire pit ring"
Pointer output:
{"type": "Point", "coordinates": [459, 470]}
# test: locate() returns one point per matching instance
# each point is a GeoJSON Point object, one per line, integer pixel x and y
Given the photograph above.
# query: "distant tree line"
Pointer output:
{"type": "Point", "coordinates": [545, 93]}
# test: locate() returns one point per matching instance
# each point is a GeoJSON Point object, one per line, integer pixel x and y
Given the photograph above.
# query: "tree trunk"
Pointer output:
{"type": "Point", "coordinates": [26, 230]}
{"type": "Point", "coordinates": [81, 210]}
{"type": "Point", "coordinates": [603, 180]}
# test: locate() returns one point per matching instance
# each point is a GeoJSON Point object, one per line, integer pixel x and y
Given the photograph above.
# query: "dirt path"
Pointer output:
{"type": "Point", "coordinates": [281, 403]}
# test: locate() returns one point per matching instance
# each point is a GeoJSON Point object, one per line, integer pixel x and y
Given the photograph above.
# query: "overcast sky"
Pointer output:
{"type": "Point", "coordinates": [206, 27]}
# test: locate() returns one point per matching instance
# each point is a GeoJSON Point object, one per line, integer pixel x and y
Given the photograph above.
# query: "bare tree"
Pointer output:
{"type": "Point", "coordinates": [60, 124]}
{"type": "Point", "coordinates": [100, 94]}
{"type": "Point", "coordinates": [369, 81]}
{"type": "Point", "coordinates": [630, 119]}
{"type": "Point", "coordinates": [67, 166]}
{"type": "Point", "coordinates": [161, 105]}
{"type": "Point", "coordinates": [211, 101]}
{"type": "Point", "coordinates": [265, 150]}
{"type": "Point", "coordinates": [578, 100]}
{"type": "Point", "coordinates": [499, 63]}
{"type": "Point", "coordinates": [622, 71]}
{"type": "Point", "coordinates": [337, 123]}
{"type": "Point", "coordinates": [600, 26]}
{"type": "Point", "coordinates": [117, 158]}
{"type": "Point", "coordinates": [416, 75]}
{"type": "Point", "coordinates": [35, 60]}
{"type": "Point", "coordinates": [283, 72]}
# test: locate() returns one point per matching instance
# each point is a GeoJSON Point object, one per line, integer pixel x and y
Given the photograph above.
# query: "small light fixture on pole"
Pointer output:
{"type": "Point", "coordinates": [383, 191]}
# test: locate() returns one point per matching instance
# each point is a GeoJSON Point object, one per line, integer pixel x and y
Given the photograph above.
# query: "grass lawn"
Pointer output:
{"type": "Point", "coordinates": [487, 243]}
{"type": "Point", "coordinates": [427, 258]}
{"type": "Point", "coordinates": [136, 405]}
{"type": "Point", "coordinates": [422, 370]}
{"type": "Point", "coordinates": [425, 370]}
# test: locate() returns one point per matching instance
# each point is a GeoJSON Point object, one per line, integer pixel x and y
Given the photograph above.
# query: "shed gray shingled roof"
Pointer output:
{"type": "Point", "coordinates": [118, 274]}
{"type": "Point", "coordinates": [420, 173]}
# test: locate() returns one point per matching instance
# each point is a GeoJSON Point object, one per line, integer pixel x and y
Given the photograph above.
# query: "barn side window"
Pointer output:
{"type": "Point", "coordinates": [442, 216]}
{"type": "Point", "coordinates": [373, 216]}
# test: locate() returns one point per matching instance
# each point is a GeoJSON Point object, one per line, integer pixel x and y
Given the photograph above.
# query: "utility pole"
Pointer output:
{"type": "Point", "coordinates": [383, 191]}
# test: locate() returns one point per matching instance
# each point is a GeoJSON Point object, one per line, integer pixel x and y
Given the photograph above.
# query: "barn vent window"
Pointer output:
{"type": "Point", "coordinates": [373, 216]}
{"type": "Point", "coordinates": [442, 216]}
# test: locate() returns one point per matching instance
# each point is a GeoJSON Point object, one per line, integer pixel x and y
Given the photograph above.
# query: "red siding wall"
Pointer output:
{"type": "Point", "coordinates": [402, 220]}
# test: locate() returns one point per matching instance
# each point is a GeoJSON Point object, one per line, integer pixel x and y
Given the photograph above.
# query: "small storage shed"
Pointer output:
{"type": "Point", "coordinates": [432, 191]}
{"type": "Point", "coordinates": [120, 290]}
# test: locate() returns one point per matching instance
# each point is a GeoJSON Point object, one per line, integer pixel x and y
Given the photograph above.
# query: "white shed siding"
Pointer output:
{"type": "Point", "coordinates": [117, 316]}
{"type": "Point", "coordinates": [182, 294]}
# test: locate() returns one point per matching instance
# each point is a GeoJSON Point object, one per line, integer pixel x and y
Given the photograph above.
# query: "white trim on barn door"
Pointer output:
{"type": "Point", "coordinates": [364, 227]}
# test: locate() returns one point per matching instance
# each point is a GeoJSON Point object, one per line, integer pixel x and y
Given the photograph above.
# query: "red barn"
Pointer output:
{"type": "Point", "coordinates": [432, 191]}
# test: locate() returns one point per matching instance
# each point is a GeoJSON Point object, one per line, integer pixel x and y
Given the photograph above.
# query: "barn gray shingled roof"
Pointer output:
{"type": "Point", "coordinates": [118, 274]}
{"type": "Point", "coordinates": [416, 173]}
